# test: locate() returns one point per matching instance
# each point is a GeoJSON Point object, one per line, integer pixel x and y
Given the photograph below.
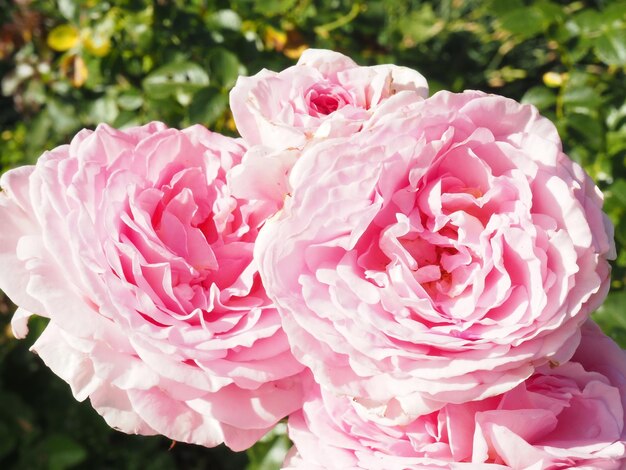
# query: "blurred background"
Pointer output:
{"type": "Point", "coordinates": [69, 64]}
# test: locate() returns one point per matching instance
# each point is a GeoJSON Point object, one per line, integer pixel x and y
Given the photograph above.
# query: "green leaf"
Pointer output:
{"type": "Point", "coordinates": [615, 11]}
{"type": "Point", "coordinates": [612, 318]}
{"type": "Point", "coordinates": [128, 119]}
{"type": "Point", "coordinates": [551, 12]}
{"type": "Point", "coordinates": [586, 21]}
{"type": "Point", "coordinates": [616, 117]}
{"type": "Point", "coordinates": [499, 8]}
{"type": "Point", "coordinates": [130, 100]}
{"type": "Point", "coordinates": [63, 452]}
{"type": "Point", "coordinates": [176, 76]}
{"type": "Point", "coordinates": [541, 97]}
{"type": "Point", "coordinates": [610, 47]}
{"type": "Point", "coordinates": [420, 25]}
{"type": "Point", "coordinates": [523, 22]}
{"type": "Point", "coordinates": [207, 106]}
{"type": "Point", "coordinates": [618, 191]}
{"type": "Point", "coordinates": [581, 98]}
{"type": "Point", "coordinates": [38, 131]}
{"type": "Point", "coordinates": [616, 143]}
{"type": "Point", "coordinates": [103, 109]}
{"type": "Point", "coordinates": [269, 453]}
{"type": "Point", "coordinates": [620, 231]}
{"type": "Point", "coordinates": [64, 117]}
{"type": "Point", "coordinates": [225, 19]}
{"type": "Point", "coordinates": [224, 67]}
{"type": "Point", "coordinates": [590, 128]}
{"type": "Point", "coordinates": [273, 7]}
{"type": "Point", "coordinates": [67, 8]}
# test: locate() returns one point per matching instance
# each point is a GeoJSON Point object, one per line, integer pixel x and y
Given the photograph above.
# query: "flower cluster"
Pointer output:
{"type": "Point", "coordinates": [408, 278]}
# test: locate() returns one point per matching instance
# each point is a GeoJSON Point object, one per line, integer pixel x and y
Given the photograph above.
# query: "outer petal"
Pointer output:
{"type": "Point", "coordinates": [18, 228]}
{"type": "Point", "coordinates": [561, 417]}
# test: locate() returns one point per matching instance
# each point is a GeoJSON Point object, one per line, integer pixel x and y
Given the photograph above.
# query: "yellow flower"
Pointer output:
{"type": "Point", "coordinates": [63, 37]}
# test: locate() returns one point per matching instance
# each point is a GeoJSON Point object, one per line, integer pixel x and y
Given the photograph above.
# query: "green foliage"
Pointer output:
{"type": "Point", "coordinates": [269, 453]}
{"type": "Point", "coordinates": [70, 64]}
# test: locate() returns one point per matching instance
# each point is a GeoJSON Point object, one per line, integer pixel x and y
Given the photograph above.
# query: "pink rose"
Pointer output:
{"type": "Point", "coordinates": [324, 94]}
{"type": "Point", "coordinates": [570, 416]}
{"type": "Point", "coordinates": [263, 174]}
{"type": "Point", "coordinates": [130, 242]}
{"type": "Point", "coordinates": [437, 256]}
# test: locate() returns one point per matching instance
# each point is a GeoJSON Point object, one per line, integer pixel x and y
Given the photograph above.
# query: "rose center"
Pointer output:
{"type": "Point", "coordinates": [325, 104]}
{"type": "Point", "coordinates": [324, 99]}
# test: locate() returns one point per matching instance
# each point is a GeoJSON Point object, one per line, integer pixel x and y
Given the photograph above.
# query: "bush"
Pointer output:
{"type": "Point", "coordinates": [74, 63]}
